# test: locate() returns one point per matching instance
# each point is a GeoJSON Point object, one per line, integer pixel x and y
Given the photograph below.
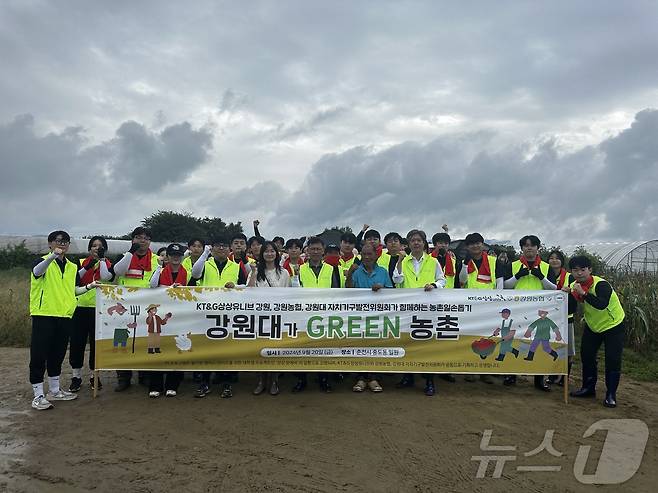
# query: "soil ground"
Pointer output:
{"type": "Point", "coordinates": [399, 440]}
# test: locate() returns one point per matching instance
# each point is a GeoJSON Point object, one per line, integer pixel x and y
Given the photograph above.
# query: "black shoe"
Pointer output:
{"type": "Point", "coordinates": [91, 383]}
{"type": "Point", "coordinates": [540, 384]}
{"type": "Point", "coordinates": [122, 385]}
{"type": "Point", "coordinates": [227, 391]}
{"type": "Point", "coordinates": [76, 383]}
{"type": "Point", "coordinates": [530, 356]}
{"type": "Point", "coordinates": [555, 355]}
{"type": "Point", "coordinates": [515, 352]}
{"type": "Point", "coordinates": [150, 351]}
{"type": "Point", "coordinates": [509, 380]}
{"type": "Point", "coordinates": [202, 391]}
{"type": "Point", "coordinates": [300, 386]}
{"type": "Point", "coordinates": [500, 357]}
{"type": "Point", "coordinates": [157, 350]}
{"type": "Point", "coordinates": [407, 381]}
{"type": "Point", "coordinates": [448, 377]}
{"type": "Point", "coordinates": [325, 386]}
{"type": "Point", "coordinates": [429, 389]}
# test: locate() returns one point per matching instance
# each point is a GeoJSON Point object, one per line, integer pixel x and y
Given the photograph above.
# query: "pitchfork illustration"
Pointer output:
{"type": "Point", "coordinates": [134, 311]}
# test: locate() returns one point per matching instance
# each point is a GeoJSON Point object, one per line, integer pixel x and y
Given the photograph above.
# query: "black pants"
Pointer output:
{"type": "Point", "coordinates": [223, 377]}
{"type": "Point", "coordinates": [84, 329]}
{"type": "Point", "coordinates": [127, 375]}
{"type": "Point", "coordinates": [160, 381]}
{"type": "Point", "coordinates": [50, 338]}
{"type": "Point", "coordinates": [322, 375]}
{"type": "Point", "coordinates": [613, 339]}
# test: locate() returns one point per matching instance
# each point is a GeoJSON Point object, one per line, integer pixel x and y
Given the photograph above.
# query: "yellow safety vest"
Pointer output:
{"type": "Point", "coordinates": [426, 274]}
{"type": "Point", "coordinates": [473, 283]}
{"type": "Point", "coordinates": [88, 299]}
{"type": "Point", "coordinates": [308, 279]}
{"type": "Point", "coordinates": [187, 263]}
{"type": "Point", "coordinates": [212, 277]}
{"type": "Point", "coordinates": [145, 280]}
{"type": "Point", "coordinates": [609, 317]}
{"type": "Point", "coordinates": [344, 266]}
{"type": "Point", "coordinates": [529, 282]}
{"type": "Point", "coordinates": [53, 294]}
{"type": "Point", "coordinates": [450, 280]}
{"type": "Point", "coordinates": [384, 259]}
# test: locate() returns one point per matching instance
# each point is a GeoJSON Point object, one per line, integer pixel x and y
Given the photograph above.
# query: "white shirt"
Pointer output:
{"type": "Point", "coordinates": [275, 279]}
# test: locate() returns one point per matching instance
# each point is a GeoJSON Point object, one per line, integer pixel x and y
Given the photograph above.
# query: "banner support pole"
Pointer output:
{"type": "Point", "coordinates": [566, 389]}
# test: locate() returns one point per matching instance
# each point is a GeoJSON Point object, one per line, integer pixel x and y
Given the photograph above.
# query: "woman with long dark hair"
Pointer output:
{"type": "Point", "coordinates": [270, 274]}
{"type": "Point", "coordinates": [95, 267]}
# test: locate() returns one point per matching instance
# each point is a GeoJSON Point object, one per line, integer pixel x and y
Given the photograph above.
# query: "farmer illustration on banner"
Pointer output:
{"type": "Point", "coordinates": [121, 334]}
{"type": "Point", "coordinates": [543, 326]}
{"type": "Point", "coordinates": [506, 335]}
{"type": "Point", "coordinates": [154, 323]}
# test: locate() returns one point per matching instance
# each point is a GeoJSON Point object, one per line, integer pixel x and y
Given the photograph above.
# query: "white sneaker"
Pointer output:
{"type": "Point", "coordinates": [154, 394]}
{"type": "Point", "coordinates": [40, 403]}
{"type": "Point", "coordinates": [62, 395]}
{"type": "Point", "coordinates": [171, 393]}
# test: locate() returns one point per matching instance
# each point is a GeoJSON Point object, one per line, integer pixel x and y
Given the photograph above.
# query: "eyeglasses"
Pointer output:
{"type": "Point", "coordinates": [61, 242]}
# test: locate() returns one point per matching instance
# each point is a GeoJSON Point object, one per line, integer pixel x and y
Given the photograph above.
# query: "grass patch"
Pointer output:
{"type": "Point", "coordinates": [640, 366]}
{"type": "Point", "coordinates": [15, 323]}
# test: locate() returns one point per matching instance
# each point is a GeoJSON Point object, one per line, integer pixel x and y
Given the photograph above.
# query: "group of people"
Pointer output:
{"type": "Point", "coordinates": [62, 297]}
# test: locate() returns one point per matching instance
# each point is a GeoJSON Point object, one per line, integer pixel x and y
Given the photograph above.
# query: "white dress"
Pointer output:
{"type": "Point", "coordinates": [275, 279]}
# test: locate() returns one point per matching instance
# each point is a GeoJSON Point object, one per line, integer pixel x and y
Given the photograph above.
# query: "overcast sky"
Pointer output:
{"type": "Point", "coordinates": [507, 118]}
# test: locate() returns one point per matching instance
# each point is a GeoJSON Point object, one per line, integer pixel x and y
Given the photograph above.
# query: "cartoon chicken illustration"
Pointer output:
{"type": "Point", "coordinates": [183, 342]}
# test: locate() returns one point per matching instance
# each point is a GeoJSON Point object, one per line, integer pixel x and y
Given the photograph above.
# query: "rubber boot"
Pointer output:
{"type": "Point", "coordinates": [589, 385]}
{"type": "Point", "coordinates": [530, 357]}
{"type": "Point", "coordinates": [554, 354]}
{"type": "Point", "coordinates": [611, 384]}
{"type": "Point", "coordinates": [515, 352]}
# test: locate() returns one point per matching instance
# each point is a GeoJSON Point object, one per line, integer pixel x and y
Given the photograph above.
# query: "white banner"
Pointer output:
{"type": "Point", "coordinates": [287, 329]}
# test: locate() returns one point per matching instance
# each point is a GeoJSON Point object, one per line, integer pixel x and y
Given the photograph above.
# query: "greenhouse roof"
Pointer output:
{"type": "Point", "coordinates": [631, 253]}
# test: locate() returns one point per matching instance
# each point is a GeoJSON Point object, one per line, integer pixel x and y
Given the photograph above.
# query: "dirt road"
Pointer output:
{"type": "Point", "coordinates": [395, 441]}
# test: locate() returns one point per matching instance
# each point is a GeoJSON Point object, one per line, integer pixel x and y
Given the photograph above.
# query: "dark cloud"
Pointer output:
{"type": "Point", "coordinates": [36, 163]}
{"type": "Point", "coordinates": [502, 193]}
{"type": "Point", "coordinates": [424, 112]}
{"type": "Point", "coordinates": [63, 170]}
{"type": "Point", "coordinates": [601, 192]}
{"type": "Point", "coordinates": [140, 156]}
